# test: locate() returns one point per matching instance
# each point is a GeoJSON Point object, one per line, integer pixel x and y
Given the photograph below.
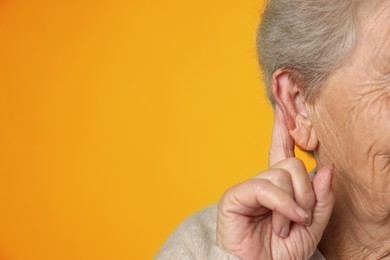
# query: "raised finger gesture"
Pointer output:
{"type": "Point", "coordinates": [280, 213]}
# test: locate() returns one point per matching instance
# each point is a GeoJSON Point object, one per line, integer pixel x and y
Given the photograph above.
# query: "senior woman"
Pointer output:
{"type": "Point", "coordinates": [327, 68]}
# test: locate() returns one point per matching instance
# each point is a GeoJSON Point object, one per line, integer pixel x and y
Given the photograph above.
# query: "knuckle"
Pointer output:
{"type": "Point", "coordinates": [292, 164]}
{"type": "Point", "coordinates": [280, 178]}
{"type": "Point", "coordinates": [308, 198]}
{"type": "Point", "coordinates": [226, 196]}
{"type": "Point", "coordinates": [260, 185]}
{"type": "Point", "coordinates": [284, 203]}
{"type": "Point", "coordinates": [227, 201]}
{"type": "Point", "coordinates": [228, 193]}
{"type": "Point", "coordinates": [295, 163]}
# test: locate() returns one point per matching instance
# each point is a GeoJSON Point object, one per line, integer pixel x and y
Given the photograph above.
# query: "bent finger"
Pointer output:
{"type": "Point", "coordinates": [281, 179]}
{"type": "Point", "coordinates": [259, 196]}
{"type": "Point", "coordinates": [280, 224]}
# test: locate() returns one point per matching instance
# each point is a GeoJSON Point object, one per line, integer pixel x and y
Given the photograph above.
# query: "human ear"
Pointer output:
{"type": "Point", "coordinates": [289, 99]}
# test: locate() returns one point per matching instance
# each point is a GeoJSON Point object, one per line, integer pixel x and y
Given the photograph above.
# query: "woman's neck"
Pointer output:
{"type": "Point", "coordinates": [360, 224]}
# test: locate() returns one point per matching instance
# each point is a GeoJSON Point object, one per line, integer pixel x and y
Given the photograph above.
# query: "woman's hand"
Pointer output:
{"type": "Point", "coordinates": [278, 214]}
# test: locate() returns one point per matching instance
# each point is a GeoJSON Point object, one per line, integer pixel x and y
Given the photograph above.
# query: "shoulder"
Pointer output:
{"type": "Point", "coordinates": [198, 230]}
{"type": "Point", "coordinates": [195, 238]}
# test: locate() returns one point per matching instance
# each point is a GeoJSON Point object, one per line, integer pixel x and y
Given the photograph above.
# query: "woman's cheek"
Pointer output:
{"type": "Point", "coordinates": [373, 124]}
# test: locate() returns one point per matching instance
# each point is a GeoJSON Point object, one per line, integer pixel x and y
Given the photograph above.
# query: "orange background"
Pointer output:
{"type": "Point", "coordinates": [118, 119]}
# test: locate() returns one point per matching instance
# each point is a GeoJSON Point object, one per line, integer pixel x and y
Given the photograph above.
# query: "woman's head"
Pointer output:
{"type": "Point", "coordinates": [310, 38]}
{"type": "Point", "coordinates": [339, 61]}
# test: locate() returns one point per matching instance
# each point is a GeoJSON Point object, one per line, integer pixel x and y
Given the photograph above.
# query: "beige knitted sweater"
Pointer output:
{"type": "Point", "coordinates": [195, 239]}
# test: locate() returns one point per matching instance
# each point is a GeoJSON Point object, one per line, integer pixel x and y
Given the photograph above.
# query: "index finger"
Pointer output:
{"type": "Point", "coordinates": [282, 144]}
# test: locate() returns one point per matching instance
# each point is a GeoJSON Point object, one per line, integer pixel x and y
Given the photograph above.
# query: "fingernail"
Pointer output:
{"type": "Point", "coordinates": [284, 232]}
{"type": "Point", "coordinates": [330, 177]}
{"type": "Point", "coordinates": [302, 213]}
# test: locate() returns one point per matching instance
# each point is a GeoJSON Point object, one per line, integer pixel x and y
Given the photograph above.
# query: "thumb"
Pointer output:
{"type": "Point", "coordinates": [325, 199]}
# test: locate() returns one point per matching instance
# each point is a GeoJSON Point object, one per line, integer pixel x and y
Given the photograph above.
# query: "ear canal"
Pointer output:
{"type": "Point", "coordinates": [304, 134]}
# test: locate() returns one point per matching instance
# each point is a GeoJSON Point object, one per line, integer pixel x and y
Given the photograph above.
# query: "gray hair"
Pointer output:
{"type": "Point", "coordinates": [309, 38]}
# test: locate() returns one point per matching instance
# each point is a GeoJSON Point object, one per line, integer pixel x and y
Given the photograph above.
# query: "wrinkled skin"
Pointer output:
{"type": "Point", "coordinates": [350, 118]}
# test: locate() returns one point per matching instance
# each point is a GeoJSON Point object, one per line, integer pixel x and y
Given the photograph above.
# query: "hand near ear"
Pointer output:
{"type": "Point", "coordinates": [278, 214]}
{"type": "Point", "coordinates": [289, 100]}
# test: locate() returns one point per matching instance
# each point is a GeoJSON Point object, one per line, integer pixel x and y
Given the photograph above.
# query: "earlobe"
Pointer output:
{"type": "Point", "coordinates": [304, 134]}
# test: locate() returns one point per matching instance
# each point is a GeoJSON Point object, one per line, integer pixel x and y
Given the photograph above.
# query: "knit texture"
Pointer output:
{"type": "Point", "coordinates": [195, 239]}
